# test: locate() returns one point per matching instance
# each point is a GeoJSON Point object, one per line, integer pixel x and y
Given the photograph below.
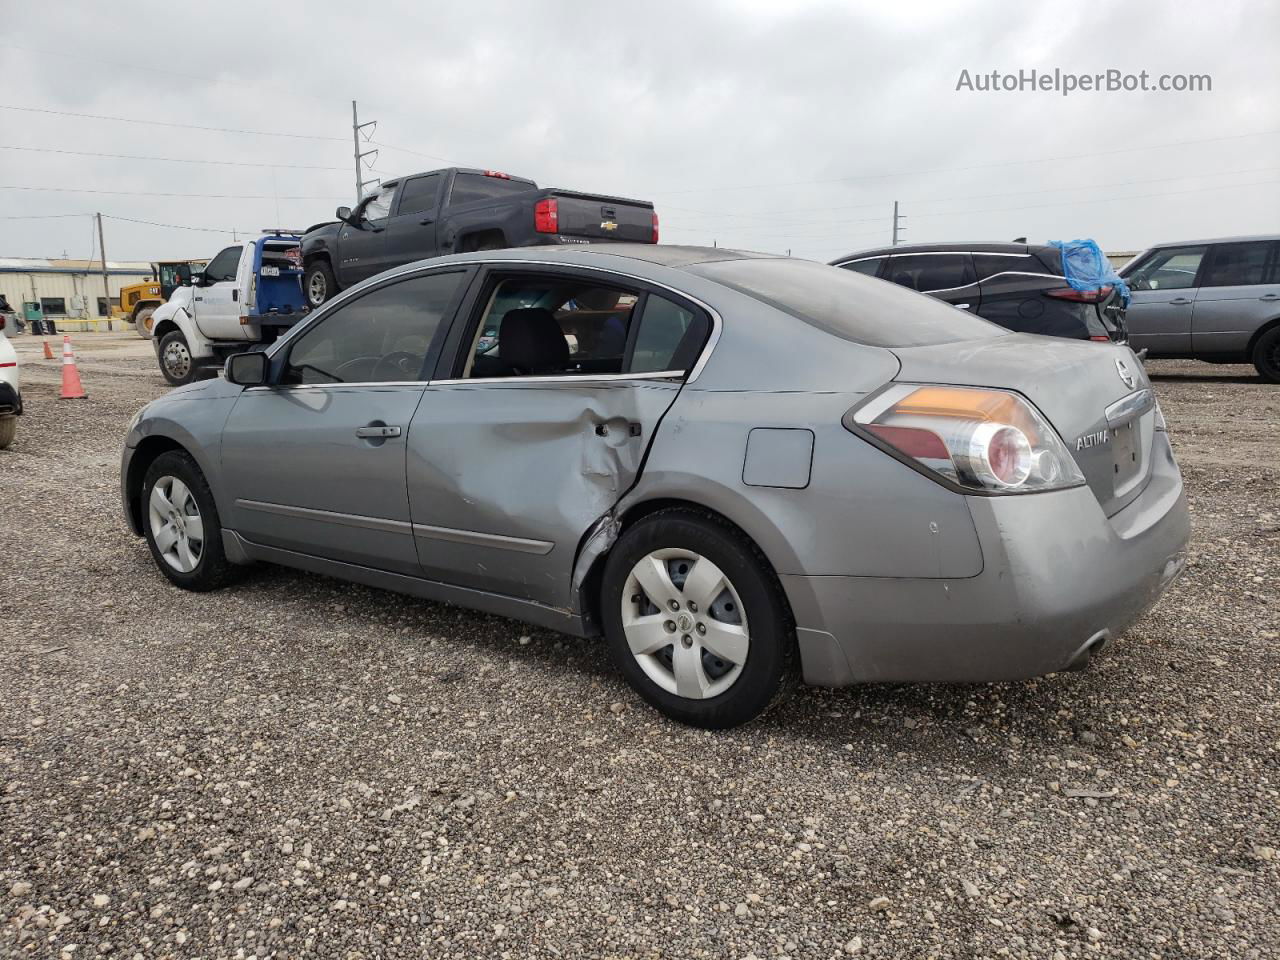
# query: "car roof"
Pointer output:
{"type": "Point", "coordinates": [664, 255]}
{"type": "Point", "coordinates": [1199, 243]}
{"type": "Point", "coordinates": [969, 247]}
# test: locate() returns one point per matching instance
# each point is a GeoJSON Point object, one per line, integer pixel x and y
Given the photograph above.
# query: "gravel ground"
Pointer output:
{"type": "Point", "coordinates": [299, 767]}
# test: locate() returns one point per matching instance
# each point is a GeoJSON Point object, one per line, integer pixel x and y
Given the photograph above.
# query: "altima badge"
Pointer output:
{"type": "Point", "coordinates": [1122, 368]}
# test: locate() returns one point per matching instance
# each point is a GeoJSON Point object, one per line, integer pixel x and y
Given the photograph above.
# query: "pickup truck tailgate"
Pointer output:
{"type": "Point", "coordinates": [595, 217]}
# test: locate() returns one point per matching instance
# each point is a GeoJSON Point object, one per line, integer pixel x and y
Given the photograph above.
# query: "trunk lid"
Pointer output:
{"type": "Point", "coordinates": [596, 217]}
{"type": "Point", "coordinates": [1092, 393]}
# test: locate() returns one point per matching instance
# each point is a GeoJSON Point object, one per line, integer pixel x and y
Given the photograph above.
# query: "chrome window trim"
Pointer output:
{"type": "Point", "coordinates": [337, 385]}
{"type": "Point", "coordinates": [717, 322]}
{"type": "Point", "coordinates": [477, 539]}
{"type": "Point", "coordinates": [381, 524]}
{"type": "Point", "coordinates": [570, 378]}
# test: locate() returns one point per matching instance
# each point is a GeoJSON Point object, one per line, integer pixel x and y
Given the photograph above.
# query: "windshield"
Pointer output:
{"type": "Point", "coordinates": [857, 308]}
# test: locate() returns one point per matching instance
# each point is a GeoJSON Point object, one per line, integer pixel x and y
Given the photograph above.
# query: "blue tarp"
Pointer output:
{"type": "Point", "coordinates": [1086, 267]}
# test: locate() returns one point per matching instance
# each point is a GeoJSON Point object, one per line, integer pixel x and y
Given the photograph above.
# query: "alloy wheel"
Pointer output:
{"type": "Point", "coordinates": [316, 289]}
{"type": "Point", "coordinates": [176, 525]}
{"type": "Point", "coordinates": [685, 624]}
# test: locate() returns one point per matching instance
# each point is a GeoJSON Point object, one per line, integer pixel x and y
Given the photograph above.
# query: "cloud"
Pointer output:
{"type": "Point", "coordinates": [764, 125]}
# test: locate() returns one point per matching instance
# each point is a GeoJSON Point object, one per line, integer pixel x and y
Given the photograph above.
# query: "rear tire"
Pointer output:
{"type": "Point", "coordinates": [176, 363]}
{"type": "Point", "coordinates": [8, 430]}
{"type": "Point", "coordinates": [180, 522]}
{"type": "Point", "coordinates": [730, 652]}
{"type": "Point", "coordinates": [1266, 355]}
{"type": "Point", "coordinates": [318, 283]}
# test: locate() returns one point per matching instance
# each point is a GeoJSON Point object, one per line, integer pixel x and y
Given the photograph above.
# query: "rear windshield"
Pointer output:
{"type": "Point", "coordinates": [851, 306]}
{"type": "Point", "coordinates": [476, 186]}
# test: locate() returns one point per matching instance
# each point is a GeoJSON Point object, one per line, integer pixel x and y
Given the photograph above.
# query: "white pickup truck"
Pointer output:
{"type": "Point", "coordinates": [247, 295]}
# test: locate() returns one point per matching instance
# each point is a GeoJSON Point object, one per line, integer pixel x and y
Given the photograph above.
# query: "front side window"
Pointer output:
{"type": "Point", "coordinates": [1237, 265]}
{"type": "Point", "coordinates": [468, 187]}
{"type": "Point", "coordinates": [868, 268]}
{"type": "Point", "coordinates": [223, 266]}
{"type": "Point", "coordinates": [1172, 269]}
{"type": "Point", "coordinates": [378, 207]}
{"type": "Point", "coordinates": [941, 271]}
{"type": "Point", "coordinates": [420, 194]}
{"type": "Point", "coordinates": [383, 336]}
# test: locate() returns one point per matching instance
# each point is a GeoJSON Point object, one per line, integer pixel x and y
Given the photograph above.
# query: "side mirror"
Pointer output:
{"type": "Point", "coordinates": [247, 369]}
{"type": "Point", "coordinates": [197, 278]}
{"type": "Point", "coordinates": [343, 214]}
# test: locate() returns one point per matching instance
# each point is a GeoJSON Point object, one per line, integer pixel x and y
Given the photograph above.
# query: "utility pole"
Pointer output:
{"type": "Point", "coordinates": [356, 127]}
{"type": "Point", "coordinates": [106, 286]}
{"type": "Point", "coordinates": [897, 229]}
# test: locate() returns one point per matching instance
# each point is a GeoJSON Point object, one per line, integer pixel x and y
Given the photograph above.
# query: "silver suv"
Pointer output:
{"type": "Point", "coordinates": [1213, 300]}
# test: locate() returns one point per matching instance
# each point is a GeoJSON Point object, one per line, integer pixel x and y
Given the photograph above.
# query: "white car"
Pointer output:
{"type": "Point", "coordinates": [10, 386]}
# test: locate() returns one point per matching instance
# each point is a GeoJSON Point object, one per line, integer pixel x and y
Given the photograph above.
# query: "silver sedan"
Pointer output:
{"type": "Point", "coordinates": [732, 466]}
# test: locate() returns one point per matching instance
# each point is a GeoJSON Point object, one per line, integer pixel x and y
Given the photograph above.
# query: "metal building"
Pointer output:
{"type": "Point", "coordinates": [66, 289]}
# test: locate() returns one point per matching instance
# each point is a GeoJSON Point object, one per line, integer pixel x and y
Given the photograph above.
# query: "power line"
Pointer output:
{"type": "Point", "coordinates": [42, 216]}
{"type": "Point", "coordinates": [177, 226]}
{"type": "Point", "coordinates": [979, 166]}
{"type": "Point", "coordinates": [136, 156]}
{"type": "Point", "coordinates": [152, 193]}
{"type": "Point", "coordinates": [166, 123]}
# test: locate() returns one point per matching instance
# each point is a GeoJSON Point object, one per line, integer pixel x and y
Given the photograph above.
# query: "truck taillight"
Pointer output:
{"type": "Point", "coordinates": [655, 227]}
{"type": "Point", "coordinates": [546, 216]}
{"type": "Point", "coordinates": [1080, 296]}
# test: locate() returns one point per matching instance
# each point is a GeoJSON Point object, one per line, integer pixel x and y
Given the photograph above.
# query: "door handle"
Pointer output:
{"type": "Point", "coordinates": [1180, 301]}
{"type": "Point", "coordinates": [1269, 296]}
{"type": "Point", "coordinates": [426, 221]}
{"type": "Point", "coordinates": [381, 431]}
{"type": "Point", "coordinates": [962, 306]}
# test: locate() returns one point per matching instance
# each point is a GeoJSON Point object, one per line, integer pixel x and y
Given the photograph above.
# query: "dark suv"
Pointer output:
{"type": "Point", "coordinates": [1017, 285]}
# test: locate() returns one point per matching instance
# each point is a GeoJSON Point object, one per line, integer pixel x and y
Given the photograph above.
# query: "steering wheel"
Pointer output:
{"type": "Point", "coordinates": [400, 365]}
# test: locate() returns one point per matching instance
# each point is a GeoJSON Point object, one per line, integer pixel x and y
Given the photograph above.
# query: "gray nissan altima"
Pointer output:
{"type": "Point", "coordinates": [731, 466]}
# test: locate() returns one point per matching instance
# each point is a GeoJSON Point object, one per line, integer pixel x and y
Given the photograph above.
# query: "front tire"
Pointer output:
{"type": "Point", "coordinates": [696, 619]}
{"type": "Point", "coordinates": [8, 430]}
{"type": "Point", "coordinates": [1266, 355]}
{"type": "Point", "coordinates": [176, 362]}
{"type": "Point", "coordinates": [180, 521]}
{"type": "Point", "coordinates": [142, 321]}
{"type": "Point", "coordinates": [318, 283]}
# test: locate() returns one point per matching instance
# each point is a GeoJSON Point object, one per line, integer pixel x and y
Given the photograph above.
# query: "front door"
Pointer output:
{"type": "Point", "coordinates": [315, 463]}
{"type": "Point", "coordinates": [523, 445]}
{"type": "Point", "coordinates": [362, 248]}
{"type": "Point", "coordinates": [216, 301]}
{"type": "Point", "coordinates": [1239, 290]}
{"type": "Point", "coordinates": [411, 230]}
{"type": "Point", "coordinates": [1163, 292]}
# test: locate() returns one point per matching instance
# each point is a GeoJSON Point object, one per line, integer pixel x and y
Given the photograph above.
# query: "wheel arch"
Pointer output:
{"type": "Point", "coordinates": [145, 454]}
{"type": "Point", "coordinates": [1266, 327]}
{"type": "Point", "coordinates": [470, 242]}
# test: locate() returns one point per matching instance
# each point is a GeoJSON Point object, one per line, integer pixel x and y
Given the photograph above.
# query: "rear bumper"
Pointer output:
{"type": "Point", "coordinates": [1059, 580]}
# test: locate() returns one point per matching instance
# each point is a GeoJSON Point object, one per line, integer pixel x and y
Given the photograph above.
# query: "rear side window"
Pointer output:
{"type": "Point", "coordinates": [868, 268]}
{"type": "Point", "coordinates": [845, 304]}
{"type": "Point", "coordinates": [468, 187]}
{"type": "Point", "coordinates": [419, 195]}
{"type": "Point", "coordinates": [989, 264]}
{"type": "Point", "coordinates": [932, 271]}
{"type": "Point", "coordinates": [669, 337]}
{"type": "Point", "coordinates": [1237, 265]}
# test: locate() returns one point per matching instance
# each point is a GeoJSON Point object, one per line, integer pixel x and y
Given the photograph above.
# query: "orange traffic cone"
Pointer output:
{"type": "Point", "coordinates": [48, 354]}
{"type": "Point", "coordinates": [71, 388]}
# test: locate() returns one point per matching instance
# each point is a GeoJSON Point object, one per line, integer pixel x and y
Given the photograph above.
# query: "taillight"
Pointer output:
{"type": "Point", "coordinates": [498, 174]}
{"type": "Point", "coordinates": [1100, 339]}
{"type": "Point", "coordinates": [655, 227]}
{"type": "Point", "coordinates": [1080, 296]}
{"type": "Point", "coordinates": [546, 216]}
{"type": "Point", "coordinates": [990, 441]}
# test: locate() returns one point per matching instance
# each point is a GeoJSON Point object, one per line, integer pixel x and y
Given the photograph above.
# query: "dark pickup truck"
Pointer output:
{"type": "Point", "coordinates": [457, 210]}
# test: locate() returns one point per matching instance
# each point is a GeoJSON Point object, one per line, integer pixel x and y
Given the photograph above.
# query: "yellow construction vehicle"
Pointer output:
{"type": "Point", "coordinates": [139, 300]}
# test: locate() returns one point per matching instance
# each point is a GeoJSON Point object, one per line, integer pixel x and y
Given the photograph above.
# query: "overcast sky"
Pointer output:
{"type": "Point", "coordinates": [763, 125]}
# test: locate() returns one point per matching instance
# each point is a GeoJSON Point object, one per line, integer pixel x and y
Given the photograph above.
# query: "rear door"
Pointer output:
{"type": "Point", "coordinates": [315, 463]}
{"type": "Point", "coordinates": [509, 469]}
{"type": "Point", "coordinates": [1162, 287]}
{"type": "Point", "coordinates": [945, 276]}
{"type": "Point", "coordinates": [1239, 290]}
{"type": "Point", "coordinates": [411, 230]}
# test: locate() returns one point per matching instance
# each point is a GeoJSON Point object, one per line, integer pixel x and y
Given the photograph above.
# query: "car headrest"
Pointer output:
{"type": "Point", "coordinates": [532, 342]}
